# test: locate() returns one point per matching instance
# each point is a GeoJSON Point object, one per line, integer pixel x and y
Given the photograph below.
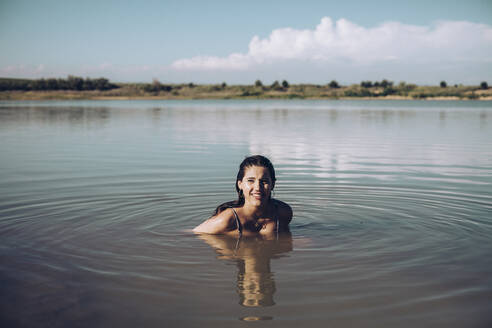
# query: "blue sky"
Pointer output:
{"type": "Point", "coordinates": [416, 41]}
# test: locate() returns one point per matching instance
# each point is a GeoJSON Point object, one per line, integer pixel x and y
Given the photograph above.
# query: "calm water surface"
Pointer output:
{"type": "Point", "coordinates": [392, 214]}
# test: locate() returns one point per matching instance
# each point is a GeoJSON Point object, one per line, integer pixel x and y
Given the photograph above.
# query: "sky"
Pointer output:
{"type": "Point", "coordinates": [238, 42]}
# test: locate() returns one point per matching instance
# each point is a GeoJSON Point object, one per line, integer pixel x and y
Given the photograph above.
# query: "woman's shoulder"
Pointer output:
{"type": "Point", "coordinates": [221, 223]}
{"type": "Point", "coordinates": [284, 211]}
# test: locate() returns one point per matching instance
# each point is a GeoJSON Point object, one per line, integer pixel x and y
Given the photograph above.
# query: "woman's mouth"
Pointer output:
{"type": "Point", "coordinates": [257, 195]}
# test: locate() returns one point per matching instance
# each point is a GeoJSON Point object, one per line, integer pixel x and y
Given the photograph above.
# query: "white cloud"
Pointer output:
{"type": "Point", "coordinates": [22, 70]}
{"type": "Point", "coordinates": [13, 69]}
{"type": "Point", "coordinates": [445, 41]}
{"type": "Point", "coordinates": [108, 67]}
{"type": "Point", "coordinates": [105, 66]}
{"type": "Point", "coordinates": [231, 62]}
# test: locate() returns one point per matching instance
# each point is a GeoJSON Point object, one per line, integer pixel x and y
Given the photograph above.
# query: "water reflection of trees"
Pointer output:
{"type": "Point", "coordinates": [255, 281]}
{"type": "Point", "coordinates": [56, 115]}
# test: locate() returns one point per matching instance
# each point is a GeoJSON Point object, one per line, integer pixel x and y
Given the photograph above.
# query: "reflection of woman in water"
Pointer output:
{"type": "Point", "coordinates": [255, 211]}
{"type": "Point", "coordinates": [255, 283]}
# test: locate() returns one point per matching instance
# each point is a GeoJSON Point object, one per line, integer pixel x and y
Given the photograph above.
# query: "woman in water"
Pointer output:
{"type": "Point", "coordinates": [255, 211]}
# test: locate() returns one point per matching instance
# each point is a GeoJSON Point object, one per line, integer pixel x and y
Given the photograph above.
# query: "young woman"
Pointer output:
{"type": "Point", "coordinates": [255, 211]}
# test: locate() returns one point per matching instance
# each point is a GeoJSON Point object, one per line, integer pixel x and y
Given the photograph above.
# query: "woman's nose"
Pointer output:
{"type": "Point", "coordinates": [257, 185]}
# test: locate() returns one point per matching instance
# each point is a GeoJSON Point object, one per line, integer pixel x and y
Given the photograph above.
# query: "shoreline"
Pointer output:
{"type": "Point", "coordinates": [77, 88]}
{"type": "Point", "coordinates": [100, 95]}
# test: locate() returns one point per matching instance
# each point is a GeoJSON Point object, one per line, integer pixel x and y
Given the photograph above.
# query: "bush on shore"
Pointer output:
{"type": "Point", "coordinates": [70, 83]}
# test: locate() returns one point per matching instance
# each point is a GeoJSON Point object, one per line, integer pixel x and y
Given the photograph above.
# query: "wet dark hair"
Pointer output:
{"type": "Point", "coordinates": [256, 160]}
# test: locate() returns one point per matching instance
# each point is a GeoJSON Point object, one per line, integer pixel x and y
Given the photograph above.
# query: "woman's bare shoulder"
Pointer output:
{"type": "Point", "coordinates": [284, 211]}
{"type": "Point", "coordinates": [217, 224]}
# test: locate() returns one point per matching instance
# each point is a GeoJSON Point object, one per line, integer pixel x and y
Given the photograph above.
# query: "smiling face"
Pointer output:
{"type": "Point", "coordinates": [256, 185]}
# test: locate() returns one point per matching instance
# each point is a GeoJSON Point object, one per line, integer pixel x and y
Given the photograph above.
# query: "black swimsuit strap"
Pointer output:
{"type": "Point", "coordinates": [276, 217]}
{"type": "Point", "coordinates": [238, 223]}
{"type": "Point", "coordinates": [240, 227]}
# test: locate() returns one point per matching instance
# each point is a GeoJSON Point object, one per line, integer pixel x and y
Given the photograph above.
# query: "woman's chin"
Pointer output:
{"type": "Point", "coordinates": [258, 201]}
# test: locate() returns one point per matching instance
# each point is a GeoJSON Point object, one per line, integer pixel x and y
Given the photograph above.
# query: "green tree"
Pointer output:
{"type": "Point", "coordinates": [334, 84]}
{"type": "Point", "coordinates": [62, 84]}
{"type": "Point", "coordinates": [389, 91]}
{"type": "Point", "coordinates": [39, 84]}
{"type": "Point", "coordinates": [258, 84]}
{"type": "Point", "coordinates": [484, 85]}
{"type": "Point", "coordinates": [51, 84]}
{"type": "Point", "coordinates": [88, 84]}
{"type": "Point", "coordinates": [276, 86]}
{"type": "Point", "coordinates": [75, 82]}
{"type": "Point", "coordinates": [405, 88]}
{"type": "Point", "coordinates": [166, 88]}
{"type": "Point", "coordinates": [443, 84]}
{"type": "Point", "coordinates": [103, 84]}
{"type": "Point", "coordinates": [156, 85]}
{"type": "Point", "coordinates": [285, 84]}
{"type": "Point", "coordinates": [385, 83]}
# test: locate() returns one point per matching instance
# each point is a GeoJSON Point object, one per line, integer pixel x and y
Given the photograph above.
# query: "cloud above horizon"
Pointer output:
{"type": "Point", "coordinates": [347, 42]}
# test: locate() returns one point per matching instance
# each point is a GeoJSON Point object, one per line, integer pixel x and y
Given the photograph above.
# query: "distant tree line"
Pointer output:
{"type": "Point", "coordinates": [483, 85]}
{"type": "Point", "coordinates": [70, 83]}
{"type": "Point", "coordinates": [157, 86]}
{"type": "Point", "coordinates": [383, 84]}
{"type": "Point", "coordinates": [258, 89]}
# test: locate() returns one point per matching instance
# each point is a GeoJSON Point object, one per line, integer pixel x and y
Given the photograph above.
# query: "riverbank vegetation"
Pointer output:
{"type": "Point", "coordinates": [78, 88]}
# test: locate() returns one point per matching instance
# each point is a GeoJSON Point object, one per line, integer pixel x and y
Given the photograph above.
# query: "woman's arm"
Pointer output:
{"type": "Point", "coordinates": [284, 213]}
{"type": "Point", "coordinates": [220, 223]}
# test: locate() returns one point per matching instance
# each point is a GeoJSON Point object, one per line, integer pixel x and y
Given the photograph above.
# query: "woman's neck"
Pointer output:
{"type": "Point", "coordinates": [256, 212]}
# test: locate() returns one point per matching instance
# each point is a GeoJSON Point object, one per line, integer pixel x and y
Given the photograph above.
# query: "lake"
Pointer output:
{"type": "Point", "coordinates": [392, 206]}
